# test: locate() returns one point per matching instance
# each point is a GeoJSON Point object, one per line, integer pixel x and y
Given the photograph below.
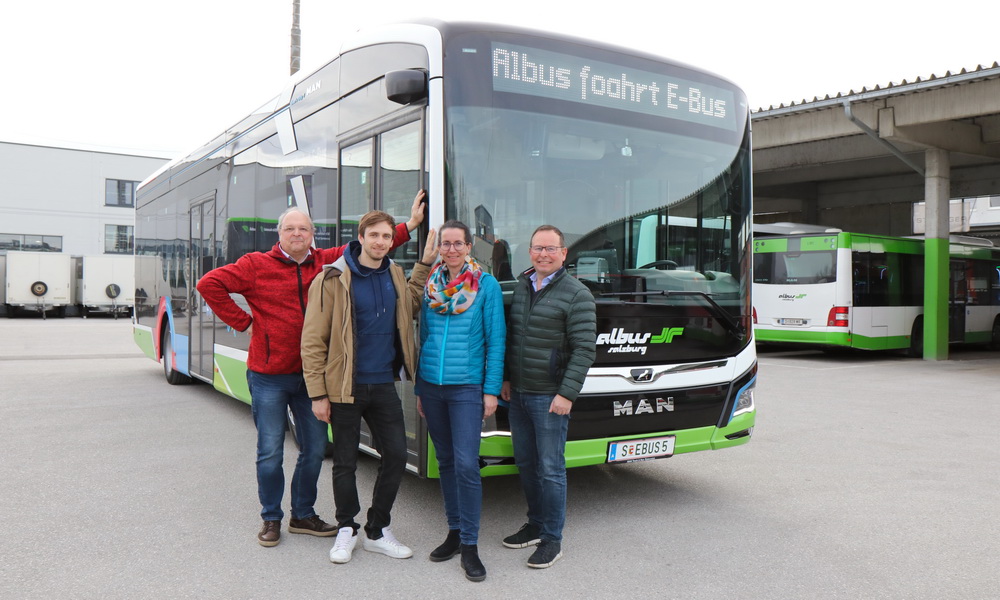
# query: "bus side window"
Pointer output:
{"type": "Point", "coordinates": [878, 279]}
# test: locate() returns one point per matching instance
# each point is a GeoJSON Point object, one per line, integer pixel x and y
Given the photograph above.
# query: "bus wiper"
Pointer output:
{"type": "Point", "coordinates": [720, 314]}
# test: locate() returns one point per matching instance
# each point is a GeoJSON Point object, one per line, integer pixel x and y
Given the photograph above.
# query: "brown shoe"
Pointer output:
{"type": "Point", "coordinates": [270, 534]}
{"type": "Point", "coordinates": [312, 526]}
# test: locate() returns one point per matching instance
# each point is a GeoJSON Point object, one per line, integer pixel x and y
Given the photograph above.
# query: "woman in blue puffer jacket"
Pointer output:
{"type": "Point", "coordinates": [462, 337]}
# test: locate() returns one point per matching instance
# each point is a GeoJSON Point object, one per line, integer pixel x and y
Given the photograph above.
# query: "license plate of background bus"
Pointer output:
{"type": "Point", "coordinates": [644, 449]}
{"type": "Point", "coordinates": [793, 321]}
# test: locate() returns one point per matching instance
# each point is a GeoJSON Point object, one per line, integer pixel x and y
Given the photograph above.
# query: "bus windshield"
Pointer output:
{"type": "Point", "coordinates": [607, 186]}
{"type": "Point", "coordinates": [654, 209]}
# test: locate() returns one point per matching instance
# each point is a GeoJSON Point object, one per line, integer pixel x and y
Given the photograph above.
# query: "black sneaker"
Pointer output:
{"type": "Point", "coordinates": [452, 545]}
{"type": "Point", "coordinates": [526, 536]}
{"type": "Point", "coordinates": [312, 526]}
{"type": "Point", "coordinates": [545, 555]}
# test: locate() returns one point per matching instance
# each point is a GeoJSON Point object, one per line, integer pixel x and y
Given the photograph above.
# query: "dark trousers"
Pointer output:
{"type": "Point", "coordinates": [380, 407]}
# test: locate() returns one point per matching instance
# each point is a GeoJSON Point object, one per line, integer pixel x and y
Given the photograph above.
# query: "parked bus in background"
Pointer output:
{"type": "Point", "coordinates": [643, 163]}
{"type": "Point", "coordinates": [831, 288]}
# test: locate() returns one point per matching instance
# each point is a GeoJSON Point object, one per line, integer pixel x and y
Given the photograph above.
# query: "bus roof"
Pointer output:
{"type": "Point", "coordinates": [786, 228]}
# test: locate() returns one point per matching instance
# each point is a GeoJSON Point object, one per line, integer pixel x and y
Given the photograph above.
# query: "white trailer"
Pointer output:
{"type": "Point", "coordinates": [39, 281]}
{"type": "Point", "coordinates": [107, 284]}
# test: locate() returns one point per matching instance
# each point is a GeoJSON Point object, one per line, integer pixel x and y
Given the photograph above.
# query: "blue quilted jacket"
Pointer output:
{"type": "Point", "coordinates": [467, 348]}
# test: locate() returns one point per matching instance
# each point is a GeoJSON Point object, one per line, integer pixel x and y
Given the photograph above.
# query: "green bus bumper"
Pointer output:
{"type": "Point", "coordinates": [581, 453]}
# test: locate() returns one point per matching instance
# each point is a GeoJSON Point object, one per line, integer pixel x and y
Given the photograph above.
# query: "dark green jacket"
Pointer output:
{"type": "Point", "coordinates": [551, 336]}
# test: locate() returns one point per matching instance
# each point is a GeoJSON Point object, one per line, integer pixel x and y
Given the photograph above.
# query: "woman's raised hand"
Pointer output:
{"type": "Point", "coordinates": [430, 248]}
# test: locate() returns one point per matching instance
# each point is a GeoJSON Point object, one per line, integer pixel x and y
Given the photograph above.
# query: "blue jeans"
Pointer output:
{"type": "Point", "coordinates": [380, 407]}
{"type": "Point", "coordinates": [455, 420]}
{"type": "Point", "coordinates": [539, 439]}
{"type": "Point", "coordinates": [270, 395]}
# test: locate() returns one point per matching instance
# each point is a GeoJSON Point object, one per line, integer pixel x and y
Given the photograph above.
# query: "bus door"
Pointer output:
{"type": "Point", "coordinates": [957, 299]}
{"type": "Point", "coordinates": [400, 174]}
{"type": "Point", "coordinates": [873, 322]}
{"type": "Point", "coordinates": [202, 240]}
{"type": "Point", "coordinates": [383, 172]}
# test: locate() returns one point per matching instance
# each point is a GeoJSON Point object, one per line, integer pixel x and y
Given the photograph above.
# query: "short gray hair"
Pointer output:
{"type": "Point", "coordinates": [294, 209]}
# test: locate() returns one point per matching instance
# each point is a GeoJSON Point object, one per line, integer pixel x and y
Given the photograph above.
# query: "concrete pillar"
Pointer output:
{"type": "Point", "coordinates": [937, 193]}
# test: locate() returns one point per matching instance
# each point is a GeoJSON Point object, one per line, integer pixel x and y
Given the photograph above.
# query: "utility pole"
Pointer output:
{"type": "Point", "coordinates": [296, 39]}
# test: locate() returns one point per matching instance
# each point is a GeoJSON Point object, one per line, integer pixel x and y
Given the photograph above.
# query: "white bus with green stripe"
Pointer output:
{"type": "Point", "coordinates": [832, 288]}
{"type": "Point", "coordinates": [642, 162]}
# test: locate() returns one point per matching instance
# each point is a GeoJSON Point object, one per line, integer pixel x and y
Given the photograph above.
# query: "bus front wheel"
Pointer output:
{"type": "Point", "coordinates": [173, 376]}
{"type": "Point", "coordinates": [995, 337]}
{"type": "Point", "coordinates": [292, 427]}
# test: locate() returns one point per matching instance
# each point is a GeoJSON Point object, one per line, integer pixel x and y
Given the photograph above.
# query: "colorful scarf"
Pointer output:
{"type": "Point", "coordinates": [456, 296]}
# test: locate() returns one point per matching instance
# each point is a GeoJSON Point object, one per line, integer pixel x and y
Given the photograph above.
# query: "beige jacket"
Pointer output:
{"type": "Point", "coordinates": [328, 344]}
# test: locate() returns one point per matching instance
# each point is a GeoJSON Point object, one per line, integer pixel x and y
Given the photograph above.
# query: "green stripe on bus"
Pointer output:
{"type": "Point", "coordinates": [231, 377]}
{"type": "Point", "coordinates": [874, 243]}
{"type": "Point", "coordinates": [807, 337]}
{"type": "Point", "coordinates": [846, 340]}
{"type": "Point", "coordinates": [582, 453]}
{"type": "Point", "coordinates": [770, 245]}
{"type": "Point", "coordinates": [889, 342]}
{"type": "Point", "coordinates": [144, 339]}
{"type": "Point", "coordinates": [978, 337]}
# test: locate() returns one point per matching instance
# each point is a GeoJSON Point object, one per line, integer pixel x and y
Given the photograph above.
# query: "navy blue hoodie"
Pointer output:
{"type": "Point", "coordinates": [374, 304]}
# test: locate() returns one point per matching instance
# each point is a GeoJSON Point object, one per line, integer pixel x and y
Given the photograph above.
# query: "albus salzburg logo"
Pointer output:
{"type": "Point", "coordinates": [791, 296]}
{"type": "Point", "coordinates": [627, 342]}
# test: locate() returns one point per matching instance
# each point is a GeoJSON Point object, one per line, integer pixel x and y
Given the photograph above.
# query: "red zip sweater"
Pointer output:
{"type": "Point", "coordinates": [276, 288]}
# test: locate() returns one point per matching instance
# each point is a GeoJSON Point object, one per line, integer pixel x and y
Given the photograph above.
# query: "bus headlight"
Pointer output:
{"type": "Point", "coordinates": [744, 399]}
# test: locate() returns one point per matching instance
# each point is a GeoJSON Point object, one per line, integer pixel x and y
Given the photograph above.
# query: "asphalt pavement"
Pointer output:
{"type": "Point", "coordinates": [868, 476]}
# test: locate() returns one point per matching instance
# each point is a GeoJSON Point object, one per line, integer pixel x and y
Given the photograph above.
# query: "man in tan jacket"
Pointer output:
{"type": "Point", "coordinates": [356, 341]}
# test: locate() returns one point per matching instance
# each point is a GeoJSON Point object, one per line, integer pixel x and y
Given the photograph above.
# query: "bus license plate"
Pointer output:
{"type": "Point", "coordinates": [644, 449]}
{"type": "Point", "coordinates": [793, 322]}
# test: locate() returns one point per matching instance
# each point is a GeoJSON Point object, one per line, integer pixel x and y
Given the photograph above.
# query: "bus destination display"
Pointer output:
{"type": "Point", "coordinates": [523, 70]}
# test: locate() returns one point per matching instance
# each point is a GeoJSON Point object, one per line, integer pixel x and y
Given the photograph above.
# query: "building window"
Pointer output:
{"type": "Point", "coordinates": [119, 193]}
{"type": "Point", "coordinates": [31, 242]}
{"type": "Point", "coordinates": [118, 239]}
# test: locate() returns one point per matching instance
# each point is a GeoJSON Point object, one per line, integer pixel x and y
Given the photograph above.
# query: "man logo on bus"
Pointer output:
{"type": "Point", "coordinates": [626, 409]}
{"type": "Point", "coordinates": [642, 375]}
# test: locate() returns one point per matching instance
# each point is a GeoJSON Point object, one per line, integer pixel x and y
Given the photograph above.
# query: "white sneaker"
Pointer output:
{"type": "Point", "coordinates": [388, 545]}
{"type": "Point", "coordinates": [343, 547]}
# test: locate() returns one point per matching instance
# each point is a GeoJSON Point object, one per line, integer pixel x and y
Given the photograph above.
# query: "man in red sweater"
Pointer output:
{"type": "Point", "coordinates": [276, 285]}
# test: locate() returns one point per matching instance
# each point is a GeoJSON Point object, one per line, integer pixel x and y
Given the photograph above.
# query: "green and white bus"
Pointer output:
{"type": "Point", "coordinates": [826, 287]}
{"type": "Point", "coordinates": [644, 164]}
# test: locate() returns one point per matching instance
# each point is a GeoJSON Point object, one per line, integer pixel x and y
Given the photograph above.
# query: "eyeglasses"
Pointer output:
{"type": "Point", "coordinates": [546, 249]}
{"type": "Point", "coordinates": [456, 245]}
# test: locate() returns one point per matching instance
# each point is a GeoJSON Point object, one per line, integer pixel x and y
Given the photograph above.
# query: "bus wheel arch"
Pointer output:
{"type": "Point", "coordinates": [995, 334]}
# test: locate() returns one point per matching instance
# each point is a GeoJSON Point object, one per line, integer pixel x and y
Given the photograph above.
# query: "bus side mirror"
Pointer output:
{"type": "Point", "coordinates": [404, 87]}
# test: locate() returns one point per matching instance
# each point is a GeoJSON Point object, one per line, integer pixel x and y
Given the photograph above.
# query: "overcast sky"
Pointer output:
{"type": "Point", "coordinates": [164, 77]}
